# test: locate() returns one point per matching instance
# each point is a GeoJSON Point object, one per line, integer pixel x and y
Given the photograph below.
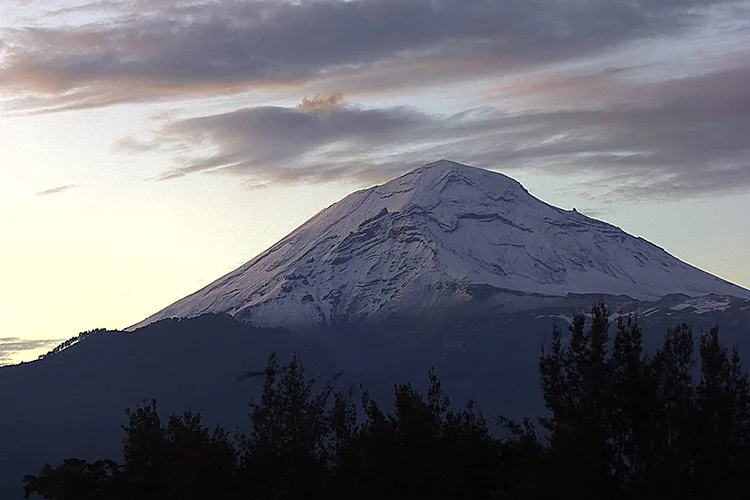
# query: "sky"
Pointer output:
{"type": "Point", "coordinates": [149, 146]}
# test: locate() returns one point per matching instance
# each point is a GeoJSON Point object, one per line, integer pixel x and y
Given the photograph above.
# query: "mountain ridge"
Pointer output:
{"type": "Point", "coordinates": [417, 244]}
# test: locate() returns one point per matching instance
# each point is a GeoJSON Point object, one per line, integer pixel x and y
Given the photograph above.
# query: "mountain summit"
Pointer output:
{"type": "Point", "coordinates": [440, 238]}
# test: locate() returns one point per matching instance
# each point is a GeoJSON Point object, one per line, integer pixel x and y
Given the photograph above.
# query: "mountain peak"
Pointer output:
{"type": "Point", "coordinates": [425, 242]}
{"type": "Point", "coordinates": [432, 174]}
{"type": "Point", "coordinates": [443, 165]}
{"type": "Point", "coordinates": [449, 184]}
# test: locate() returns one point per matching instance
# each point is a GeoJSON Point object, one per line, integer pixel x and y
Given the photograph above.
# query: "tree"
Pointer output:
{"type": "Point", "coordinates": [144, 452]}
{"type": "Point", "coordinates": [74, 479]}
{"type": "Point", "coordinates": [723, 420]}
{"type": "Point", "coordinates": [424, 448]}
{"type": "Point", "coordinates": [622, 424]}
{"type": "Point", "coordinates": [577, 387]}
{"type": "Point", "coordinates": [285, 455]}
{"type": "Point", "coordinates": [180, 460]}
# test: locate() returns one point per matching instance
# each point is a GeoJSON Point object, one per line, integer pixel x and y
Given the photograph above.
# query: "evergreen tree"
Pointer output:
{"type": "Point", "coordinates": [723, 420]}
{"type": "Point", "coordinates": [145, 460]}
{"type": "Point", "coordinates": [671, 371]}
{"type": "Point", "coordinates": [180, 460]}
{"type": "Point", "coordinates": [622, 424]}
{"type": "Point", "coordinates": [577, 387]}
{"type": "Point", "coordinates": [285, 455]}
{"type": "Point", "coordinates": [74, 479]}
{"type": "Point", "coordinates": [633, 408]}
{"type": "Point", "coordinates": [344, 447]}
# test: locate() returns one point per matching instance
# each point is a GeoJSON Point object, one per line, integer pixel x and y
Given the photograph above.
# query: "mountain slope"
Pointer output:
{"type": "Point", "coordinates": [439, 238]}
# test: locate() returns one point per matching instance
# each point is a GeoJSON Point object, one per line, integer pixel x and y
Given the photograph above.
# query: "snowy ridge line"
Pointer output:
{"type": "Point", "coordinates": [416, 245]}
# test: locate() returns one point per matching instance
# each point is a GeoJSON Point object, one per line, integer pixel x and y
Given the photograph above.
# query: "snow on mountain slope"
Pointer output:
{"type": "Point", "coordinates": [417, 244]}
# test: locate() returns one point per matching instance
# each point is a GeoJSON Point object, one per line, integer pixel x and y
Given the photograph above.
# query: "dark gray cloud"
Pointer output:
{"type": "Point", "coordinates": [10, 347]}
{"type": "Point", "coordinates": [279, 143]}
{"type": "Point", "coordinates": [162, 49]}
{"type": "Point", "coordinates": [640, 126]}
{"type": "Point", "coordinates": [57, 190]}
{"type": "Point", "coordinates": [683, 137]}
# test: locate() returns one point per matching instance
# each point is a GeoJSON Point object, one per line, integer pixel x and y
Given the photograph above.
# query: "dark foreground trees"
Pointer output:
{"type": "Point", "coordinates": [622, 424]}
{"type": "Point", "coordinates": [625, 424]}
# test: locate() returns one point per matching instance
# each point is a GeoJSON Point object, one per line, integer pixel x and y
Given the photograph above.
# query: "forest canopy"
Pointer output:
{"type": "Point", "coordinates": [622, 423]}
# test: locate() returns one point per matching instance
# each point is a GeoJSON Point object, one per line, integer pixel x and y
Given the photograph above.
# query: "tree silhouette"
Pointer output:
{"type": "Point", "coordinates": [74, 479]}
{"type": "Point", "coordinates": [285, 456]}
{"type": "Point", "coordinates": [621, 424]}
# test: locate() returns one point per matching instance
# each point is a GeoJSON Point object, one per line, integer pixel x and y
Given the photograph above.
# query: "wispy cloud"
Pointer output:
{"type": "Point", "coordinates": [277, 144]}
{"type": "Point", "coordinates": [682, 137]}
{"type": "Point", "coordinates": [553, 96]}
{"type": "Point", "coordinates": [12, 347]}
{"type": "Point", "coordinates": [57, 190]}
{"type": "Point", "coordinates": [206, 47]}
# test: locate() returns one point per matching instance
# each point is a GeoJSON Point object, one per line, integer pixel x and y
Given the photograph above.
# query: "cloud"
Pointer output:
{"type": "Point", "coordinates": [646, 123]}
{"type": "Point", "coordinates": [206, 47]}
{"type": "Point", "coordinates": [131, 145]}
{"type": "Point", "coordinates": [12, 347]}
{"type": "Point", "coordinates": [320, 103]}
{"type": "Point", "coordinates": [57, 190]}
{"type": "Point", "coordinates": [684, 137]}
{"type": "Point", "coordinates": [283, 144]}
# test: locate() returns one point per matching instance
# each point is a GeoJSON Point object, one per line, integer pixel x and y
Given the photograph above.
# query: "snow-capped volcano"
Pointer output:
{"type": "Point", "coordinates": [426, 242]}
